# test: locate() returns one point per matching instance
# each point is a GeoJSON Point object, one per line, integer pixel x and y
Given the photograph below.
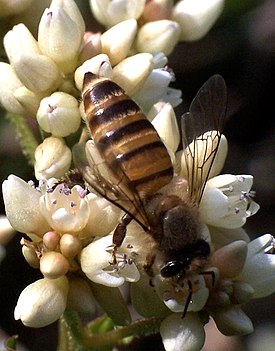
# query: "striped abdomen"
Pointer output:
{"type": "Point", "coordinates": [125, 138]}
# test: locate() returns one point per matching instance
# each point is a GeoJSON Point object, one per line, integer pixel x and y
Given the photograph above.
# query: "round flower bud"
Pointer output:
{"type": "Point", "coordinates": [59, 114]}
{"type": "Point", "coordinates": [53, 265]}
{"type": "Point", "coordinates": [42, 302]}
{"type": "Point", "coordinates": [158, 36]}
{"type": "Point", "coordinates": [70, 245]}
{"type": "Point", "coordinates": [51, 240]}
{"type": "Point", "coordinates": [52, 158]}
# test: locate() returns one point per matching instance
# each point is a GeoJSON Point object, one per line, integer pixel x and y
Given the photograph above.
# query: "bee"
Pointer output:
{"type": "Point", "coordinates": [128, 164]}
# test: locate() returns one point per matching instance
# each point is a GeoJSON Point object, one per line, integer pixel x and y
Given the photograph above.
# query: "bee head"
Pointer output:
{"type": "Point", "coordinates": [175, 268]}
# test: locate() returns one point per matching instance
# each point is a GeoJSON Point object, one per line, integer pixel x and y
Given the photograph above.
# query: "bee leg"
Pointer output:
{"type": "Point", "coordinates": [150, 259]}
{"type": "Point", "coordinates": [119, 234]}
{"type": "Point", "coordinates": [188, 300]}
{"type": "Point", "coordinates": [212, 274]}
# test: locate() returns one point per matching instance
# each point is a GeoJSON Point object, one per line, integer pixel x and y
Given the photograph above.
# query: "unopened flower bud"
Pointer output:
{"type": "Point", "coordinates": [42, 302]}
{"type": "Point", "coordinates": [53, 265]}
{"type": "Point", "coordinates": [59, 114]}
{"type": "Point", "coordinates": [117, 41]}
{"type": "Point", "coordinates": [6, 230]}
{"type": "Point", "coordinates": [27, 218]}
{"type": "Point", "coordinates": [235, 253]}
{"type": "Point", "coordinates": [103, 216]}
{"type": "Point", "coordinates": [9, 83]}
{"type": "Point", "coordinates": [80, 297]}
{"type": "Point", "coordinates": [196, 17]}
{"type": "Point", "coordinates": [38, 73]}
{"type": "Point", "coordinates": [71, 9]}
{"type": "Point", "coordinates": [52, 158]}
{"type": "Point", "coordinates": [132, 72]}
{"type": "Point", "coordinates": [232, 320]}
{"type": "Point", "coordinates": [166, 125]}
{"type": "Point", "coordinates": [91, 46]}
{"type": "Point", "coordinates": [30, 256]}
{"type": "Point", "coordinates": [242, 292]}
{"type": "Point", "coordinates": [59, 37]}
{"type": "Point", "coordinates": [51, 240]}
{"type": "Point", "coordinates": [13, 7]}
{"type": "Point", "coordinates": [158, 36]}
{"type": "Point", "coordinates": [70, 245]}
{"type": "Point", "coordinates": [156, 10]}
{"type": "Point", "coordinates": [110, 13]}
{"type": "Point", "coordinates": [18, 41]}
{"type": "Point", "coordinates": [28, 99]}
{"type": "Point", "coordinates": [99, 65]}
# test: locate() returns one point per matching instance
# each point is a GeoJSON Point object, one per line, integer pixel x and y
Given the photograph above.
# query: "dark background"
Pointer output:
{"type": "Point", "coordinates": [241, 47]}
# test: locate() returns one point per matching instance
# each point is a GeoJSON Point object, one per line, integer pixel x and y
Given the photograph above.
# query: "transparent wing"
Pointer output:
{"type": "Point", "coordinates": [201, 134]}
{"type": "Point", "coordinates": [102, 180]}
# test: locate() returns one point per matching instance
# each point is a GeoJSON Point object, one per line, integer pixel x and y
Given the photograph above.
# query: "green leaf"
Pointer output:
{"type": "Point", "coordinates": [10, 343]}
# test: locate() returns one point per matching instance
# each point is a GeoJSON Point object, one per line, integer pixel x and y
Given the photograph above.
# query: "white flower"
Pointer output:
{"type": "Point", "coordinates": [42, 302]}
{"type": "Point", "coordinates": [96, 263]}
{"type": "Point", "coordinates": [227, 201]}
{"type": "Point", "coordinates": [155, 89]}
{"type": "Point", "coordinates": [259, 267]}
{"type": "Point", "coordinates": [184, 334]}
{"type": "Point", "coordinates": [66, 210]}
{"type": "Point", "coordinates": [175, 296]}
{"type": "Point", "coordinates": [52, 158]}
{"type": "Point", "coordinates": [22, 206]}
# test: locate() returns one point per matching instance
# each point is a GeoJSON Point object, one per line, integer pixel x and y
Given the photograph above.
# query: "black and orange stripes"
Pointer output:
{"type": "Point", "coordinates": [125, 138]}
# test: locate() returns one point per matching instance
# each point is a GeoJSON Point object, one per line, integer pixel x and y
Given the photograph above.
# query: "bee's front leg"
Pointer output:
{"type": "Point", "coordinates": [119, 234]}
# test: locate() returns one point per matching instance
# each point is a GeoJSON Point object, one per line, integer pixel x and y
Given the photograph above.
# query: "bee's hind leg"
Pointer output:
{"type": "Point", "coordinates": [119, 234]}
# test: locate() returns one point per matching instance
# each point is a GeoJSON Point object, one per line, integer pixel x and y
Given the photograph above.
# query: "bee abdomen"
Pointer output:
{"type": "Point", "coordinates": [125, 138]}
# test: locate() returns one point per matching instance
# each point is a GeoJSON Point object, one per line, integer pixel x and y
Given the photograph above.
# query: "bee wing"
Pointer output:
{"type": "Point", "coordinates": [201, 133]}
{"type": "Point", "coordinates": [100, 177]}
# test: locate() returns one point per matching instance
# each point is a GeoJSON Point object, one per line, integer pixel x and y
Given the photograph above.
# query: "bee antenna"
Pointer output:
{"type": "Point", "coordinates": [188, 300]}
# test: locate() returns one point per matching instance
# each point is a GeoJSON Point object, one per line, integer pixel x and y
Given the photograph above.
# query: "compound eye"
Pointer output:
{"type": "Point", "coordinates": [172, 268]}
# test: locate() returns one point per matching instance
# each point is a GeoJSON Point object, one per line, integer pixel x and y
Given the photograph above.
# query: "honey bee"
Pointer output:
{"type": "Point", "coordinates": [128, 164]}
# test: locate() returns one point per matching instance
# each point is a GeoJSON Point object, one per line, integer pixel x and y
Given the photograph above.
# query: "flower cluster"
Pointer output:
{"type": "Point", "coordinates": [162, 24]}
{"type": "Point", "coordinates": [69, 228]}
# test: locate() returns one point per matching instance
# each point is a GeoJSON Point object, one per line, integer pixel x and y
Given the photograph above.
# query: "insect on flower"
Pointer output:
{"type": "Point", "coordinates": [128, 164]}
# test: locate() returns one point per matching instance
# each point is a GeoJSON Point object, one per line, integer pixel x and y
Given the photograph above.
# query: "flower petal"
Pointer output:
{"type": "Point", "coordinates": [184, 334]}
{"type": "Point", "coordinates": [22, 206]}
{"type": "Point", "coordinates": [42, 302]}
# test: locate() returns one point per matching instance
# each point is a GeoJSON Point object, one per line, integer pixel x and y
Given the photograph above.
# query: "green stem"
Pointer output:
{"type": "Point", "coordinates": [87, 342]}
{"type": "Point", "coordinates": [140, 328]}
{"type": "Point", "coordinates": [25, 136]}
